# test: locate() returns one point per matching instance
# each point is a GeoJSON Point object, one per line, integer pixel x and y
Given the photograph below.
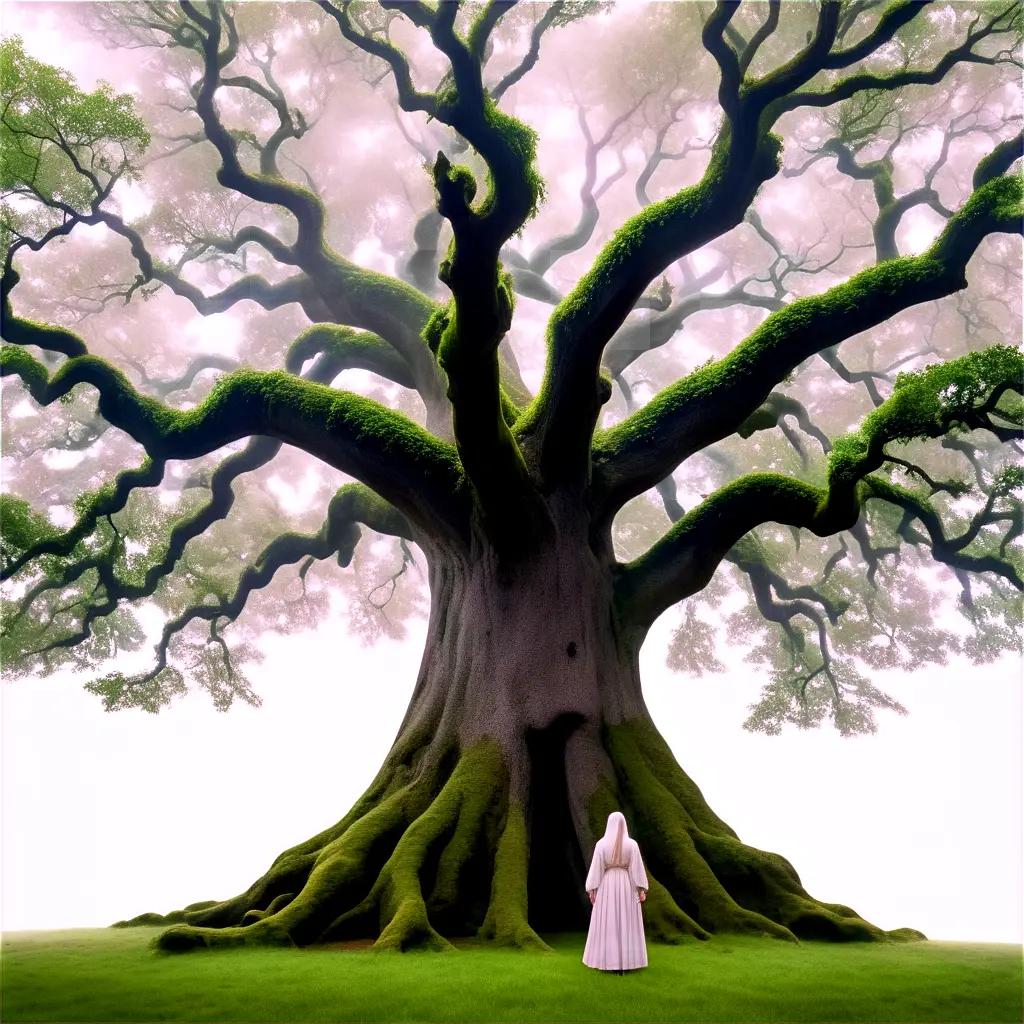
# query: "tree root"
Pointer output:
{"type": "Point", "coordinates": [437, 847]}
{"type": "Point", "coordinates": [506, 922]}
{"type": "Point", "coordinates": [709, 874]}
{"type": "Point", "coordinates": [435, 842]}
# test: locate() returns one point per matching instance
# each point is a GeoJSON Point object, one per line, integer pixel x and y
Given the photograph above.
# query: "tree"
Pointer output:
{"type": "Point", "coordinates": [548, 559]}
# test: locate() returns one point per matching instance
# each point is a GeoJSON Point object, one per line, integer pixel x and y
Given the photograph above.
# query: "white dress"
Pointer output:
{"type": "Point", "coordinates": [615, 939]}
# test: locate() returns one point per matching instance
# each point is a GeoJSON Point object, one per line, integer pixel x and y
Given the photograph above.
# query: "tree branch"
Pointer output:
{"type": "Point", "coordinates": [406, 465]}
{"type": "Point", "coordinates": [924, 405]}
{"type": "Point", "coordinates": [646, 446]}
{"type": "Point", "coordinates": [352, 505]}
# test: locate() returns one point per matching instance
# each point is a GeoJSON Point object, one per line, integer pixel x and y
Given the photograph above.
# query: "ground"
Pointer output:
{"type": "Point", "coordinates": [115, 975]}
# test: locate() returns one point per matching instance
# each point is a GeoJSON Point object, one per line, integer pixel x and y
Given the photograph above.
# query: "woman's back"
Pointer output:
{"type": "Point", "coordinates": [615, 939]}
{"type": "Point", "coordinates": [624, 858]}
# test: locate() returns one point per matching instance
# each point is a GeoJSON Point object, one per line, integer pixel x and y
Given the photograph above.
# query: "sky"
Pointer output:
{"type": "Point", "coordinates": [107, 815]}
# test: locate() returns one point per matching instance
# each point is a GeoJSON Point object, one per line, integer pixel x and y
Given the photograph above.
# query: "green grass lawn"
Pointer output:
{"type": "Point", "coordinates": [111, 974]}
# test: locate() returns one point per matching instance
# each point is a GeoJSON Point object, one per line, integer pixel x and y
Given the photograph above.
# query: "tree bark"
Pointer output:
{"type": "Point", "coordinates": [527, 726]}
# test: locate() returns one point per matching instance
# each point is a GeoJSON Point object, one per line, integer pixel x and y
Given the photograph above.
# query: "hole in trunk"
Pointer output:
{"type": "Point", "coordinates": [557, 875]}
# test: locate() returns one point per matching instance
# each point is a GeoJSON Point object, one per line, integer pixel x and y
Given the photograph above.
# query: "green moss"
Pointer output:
{"type": "Point", "coordinates": [90, 508]}
{"type": "Point", "coordinates": [1002, 157]}
{"type": "Point", "coordinates": [436, 325]}
{"type": "Point", "coordinates": [199, 905]}
{"type": "Point", "coordinates": [378, 301]}
{"type": "Point", "coordinates": [402, 905]}
{"type": "Point", "coordinates": [463, 179]}
{"type": "Point", "coordinates": [21, 527]}
{"type": "Point", "coordinates": [506, 298]}
{"type": "Point", "coordinates": [241, 403]}
{"type": "Point", "coordinates": [923, 404]}
{"type": "Point", "coordinates": [16, 361]}
{"type": "Point", "coordinates": [186, 938]}
{"type": "Point", "coordinates": [348, 348]}
{"type": "Point", "coordinates": [279, 902]}
{"type": "Point", "coordinates": [455, 821]}
{"type": "Point", "coordinates": [521, 141]}
{"type": "Point", "coordinates": [657, 814]}
{"type": "Point", "coordinates": [993, 206]}
{"type": "Point", "coordinates": [506, 921]}
{"type": "Point", "coordinates": [482, 778]}
{"type": "Point", "coordinates": [149, 919]}
{"type": "Point", "coordinates": [652, 746]}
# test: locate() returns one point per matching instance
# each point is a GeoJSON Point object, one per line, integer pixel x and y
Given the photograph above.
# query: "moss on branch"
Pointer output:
{"type": "Point", "coordinates": [717, 399]}
{"type": "Point", "coordinates": [565, 410]}
{"type": "Point", "coordinates": [342, 348]}
{"type": "Point", "coordinates": [956, 395]}
{"type": "Point", "coordinates": [409, 466]}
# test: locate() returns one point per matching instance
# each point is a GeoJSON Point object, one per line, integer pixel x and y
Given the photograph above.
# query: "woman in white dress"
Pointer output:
{"type": "Point", "coordinates": [617, 885]}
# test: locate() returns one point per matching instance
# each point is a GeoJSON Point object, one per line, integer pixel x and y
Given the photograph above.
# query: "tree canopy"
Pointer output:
{"type": "Point", "coordinates": [741, 279]}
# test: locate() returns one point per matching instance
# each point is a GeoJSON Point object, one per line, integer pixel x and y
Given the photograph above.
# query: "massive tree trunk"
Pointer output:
{"type": "Point", "coordinates": [527, 726]}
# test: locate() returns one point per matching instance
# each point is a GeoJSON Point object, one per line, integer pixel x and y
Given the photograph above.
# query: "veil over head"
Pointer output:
{"type": "Point", "coordinates": [615, 837]}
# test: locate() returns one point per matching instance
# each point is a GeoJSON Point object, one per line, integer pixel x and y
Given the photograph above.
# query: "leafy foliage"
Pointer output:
{"type": "Point", "coordinates": [225, 206]}
{"type": "Point", "coordinates": [60, 147]}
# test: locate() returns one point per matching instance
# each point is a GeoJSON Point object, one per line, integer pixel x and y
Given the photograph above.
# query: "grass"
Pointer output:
{"type": "Point", "coordinates": [102, 974]}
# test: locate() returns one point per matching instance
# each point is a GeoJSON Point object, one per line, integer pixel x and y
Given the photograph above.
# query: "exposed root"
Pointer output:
{"type": "Point", "coordinates": [506, 923]}
{"type": "Point", "coordinates": [174, 917]}
{"type": "Point", "coordinates": [396, 868]}
{"type": "Point", "coordinates": [668, 831]}
{"type": "Point", "coordinates": [718, 880]}
{"type": "Point", "coordinates": [437, 848]}
{"type": "Point", "coordinates": [335, 876]}
{"type": "Point", "coordinates": [450, 823]}
{"type": "Point", "coordinates": [664, 920]}
{"type": "Point", "coordinates": [291, 869]}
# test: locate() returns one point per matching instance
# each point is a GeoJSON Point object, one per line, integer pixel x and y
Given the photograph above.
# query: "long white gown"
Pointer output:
{"type": "Point", "coordinates": [615, 939]}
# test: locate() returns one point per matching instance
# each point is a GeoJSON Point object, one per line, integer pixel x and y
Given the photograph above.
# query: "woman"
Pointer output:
{"type": "Point", "coordinates": [617, 885]}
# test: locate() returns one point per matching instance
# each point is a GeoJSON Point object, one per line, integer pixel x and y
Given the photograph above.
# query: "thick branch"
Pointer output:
{"type": "Point", "coordinates": [409, 467]}
{"type": "Point", "coordinates": [466, 337]}
{"type": "Point", "coordinates": [924, 405]}
{"type": "Point", "coordinates": [342, 348]}
{"type": "Point", "coordinates": [713, 401]}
